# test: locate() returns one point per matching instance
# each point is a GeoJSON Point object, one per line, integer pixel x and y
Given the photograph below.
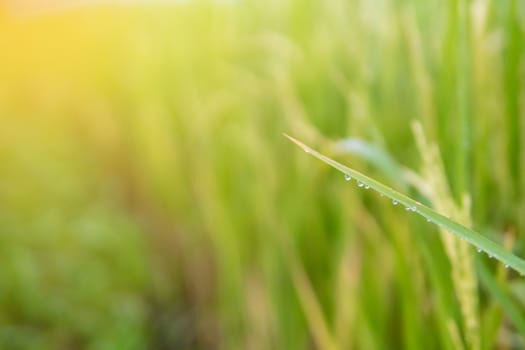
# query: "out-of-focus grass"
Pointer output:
{"type": "Point", "coordinates": [148, 199]}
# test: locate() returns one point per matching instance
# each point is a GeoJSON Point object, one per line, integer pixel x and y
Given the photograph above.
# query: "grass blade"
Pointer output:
{"type": "Point", "coordinates": [481, 242]}
{"type": "Point", "coordinates": [498, 292]}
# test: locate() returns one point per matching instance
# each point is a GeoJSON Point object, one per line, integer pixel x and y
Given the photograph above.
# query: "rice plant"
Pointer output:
{"type": "Point", "coordinates": [149, 200]}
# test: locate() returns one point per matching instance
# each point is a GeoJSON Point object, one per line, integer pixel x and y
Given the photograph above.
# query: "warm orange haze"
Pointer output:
{"type": "Point", "coordinates": [148, 198]}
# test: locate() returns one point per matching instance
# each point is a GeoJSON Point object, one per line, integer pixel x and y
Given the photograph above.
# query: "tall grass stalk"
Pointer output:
{"type": "Point", "coordinates": [458, 250]}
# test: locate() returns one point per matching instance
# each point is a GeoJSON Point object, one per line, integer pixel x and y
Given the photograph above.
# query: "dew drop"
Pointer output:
{"type": "Point", "coordinates": [506, 266]}
{"type": "Point", "coordinates": [306, 149]}
{"type": "Point", "coordinates": [408, 209]}
{"type": "Point", "coordinates": [348, 177]}
{"type": "Point", "coordinates": [490, 256]}
{"type": "Point", "coordinates": [429, 220]}
{"type": "Point", "coordinates": [394, 202]}
{"type": "Point", "coordinates": [360, 184]}
{"type": "Point", "coordinates": [367, 187]}
{"type": "Point", "coordinates": [479, 250]}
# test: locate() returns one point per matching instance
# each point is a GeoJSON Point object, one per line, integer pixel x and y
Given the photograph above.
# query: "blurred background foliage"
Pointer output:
{"type": "Point", "coordinates": [149, 200]}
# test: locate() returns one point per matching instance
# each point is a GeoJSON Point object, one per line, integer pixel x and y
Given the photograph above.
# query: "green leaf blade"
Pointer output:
{"type": "Point", "coordinates": [479, 241]}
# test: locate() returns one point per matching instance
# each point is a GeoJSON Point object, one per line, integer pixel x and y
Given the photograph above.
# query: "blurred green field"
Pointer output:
{"type": "Point", "coordinates": [148, 199]}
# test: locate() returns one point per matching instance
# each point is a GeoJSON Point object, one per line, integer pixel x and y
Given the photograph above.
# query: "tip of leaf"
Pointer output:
{"type": "Point", "coordinates": [294, 140]}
